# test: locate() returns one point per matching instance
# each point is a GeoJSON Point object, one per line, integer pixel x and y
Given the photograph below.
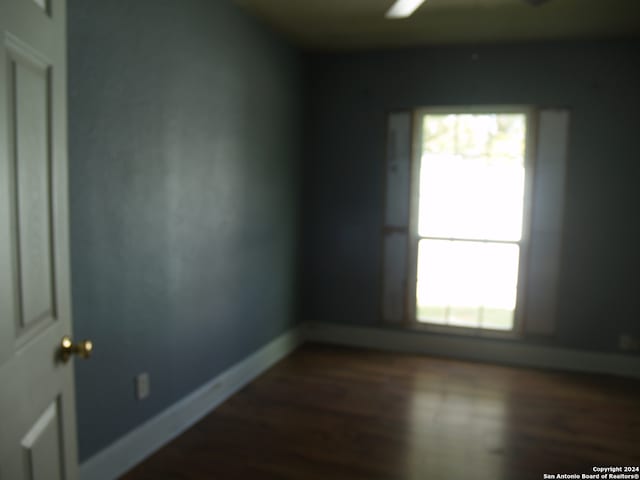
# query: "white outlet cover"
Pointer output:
{"type": "Point", "coordinates": [143, 386]}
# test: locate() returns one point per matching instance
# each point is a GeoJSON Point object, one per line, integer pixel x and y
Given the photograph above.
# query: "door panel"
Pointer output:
{"type": "Point", "coordinates": [41, 447]}
{"type": "Point", "coordinates": [30, 166]}
{"type": "Point", "coordinates": [37, 409]}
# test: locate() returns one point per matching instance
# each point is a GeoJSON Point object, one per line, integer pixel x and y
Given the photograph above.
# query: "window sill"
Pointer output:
{"type": "Point", "coordinates": [514, 334]}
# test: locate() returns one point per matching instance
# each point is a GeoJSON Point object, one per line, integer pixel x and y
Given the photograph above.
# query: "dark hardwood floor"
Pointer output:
{"type": "Point", "coordinates": [330, 413]}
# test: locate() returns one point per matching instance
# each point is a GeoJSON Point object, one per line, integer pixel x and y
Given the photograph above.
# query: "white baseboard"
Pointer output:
{"type": "Point", "coordinates": [138, 444]}
{"type": "Point", "coordinates": [480, 349]}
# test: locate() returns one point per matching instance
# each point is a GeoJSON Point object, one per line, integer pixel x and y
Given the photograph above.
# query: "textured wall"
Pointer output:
{"type": "Point", "coordinates": [348, 95]}
{"type": "Point", "coordinates": [184, 190]}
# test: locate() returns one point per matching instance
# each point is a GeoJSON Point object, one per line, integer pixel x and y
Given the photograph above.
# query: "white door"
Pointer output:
{"type": "Point", "coordinates": [37, 411]}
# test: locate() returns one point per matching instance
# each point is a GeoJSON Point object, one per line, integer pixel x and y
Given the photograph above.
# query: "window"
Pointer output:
{"type": "Point", "coordinates": [470, 183]}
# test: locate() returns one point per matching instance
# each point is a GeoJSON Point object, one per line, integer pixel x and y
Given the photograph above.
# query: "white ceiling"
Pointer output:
{"type": "Point", "coordinates": [331, 24]}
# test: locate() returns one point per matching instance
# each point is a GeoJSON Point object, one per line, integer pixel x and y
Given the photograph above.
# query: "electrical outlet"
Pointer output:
{"type": "Point", "coordinates": [628, 343]}
{"type": "Point", "coordinates": [143, 386]}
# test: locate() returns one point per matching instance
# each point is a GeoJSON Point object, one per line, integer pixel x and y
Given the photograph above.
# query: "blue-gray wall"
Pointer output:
{"type": "Point", "coordinates": [348, 96]}
{"type": "Point", "coordinates": [184, 129]}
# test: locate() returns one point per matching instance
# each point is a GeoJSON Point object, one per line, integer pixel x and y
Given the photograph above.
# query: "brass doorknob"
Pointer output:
{"type": "Point", "coordinates": [68, 348]}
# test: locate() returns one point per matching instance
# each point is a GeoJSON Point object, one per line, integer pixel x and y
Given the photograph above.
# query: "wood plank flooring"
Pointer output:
{"type": "Point", "coordinates": [332, 413]}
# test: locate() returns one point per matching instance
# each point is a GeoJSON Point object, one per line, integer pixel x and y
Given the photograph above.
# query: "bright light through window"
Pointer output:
{"type": "Point", "coordinates": [471, 198]}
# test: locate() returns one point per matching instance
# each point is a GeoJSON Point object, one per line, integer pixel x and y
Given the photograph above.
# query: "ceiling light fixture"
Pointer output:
{"type": "Point", "coordinates": [403, 8]}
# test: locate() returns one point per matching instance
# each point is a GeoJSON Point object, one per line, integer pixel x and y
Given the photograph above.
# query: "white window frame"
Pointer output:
{"type": "Point", "coordinates": [414, 237]}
